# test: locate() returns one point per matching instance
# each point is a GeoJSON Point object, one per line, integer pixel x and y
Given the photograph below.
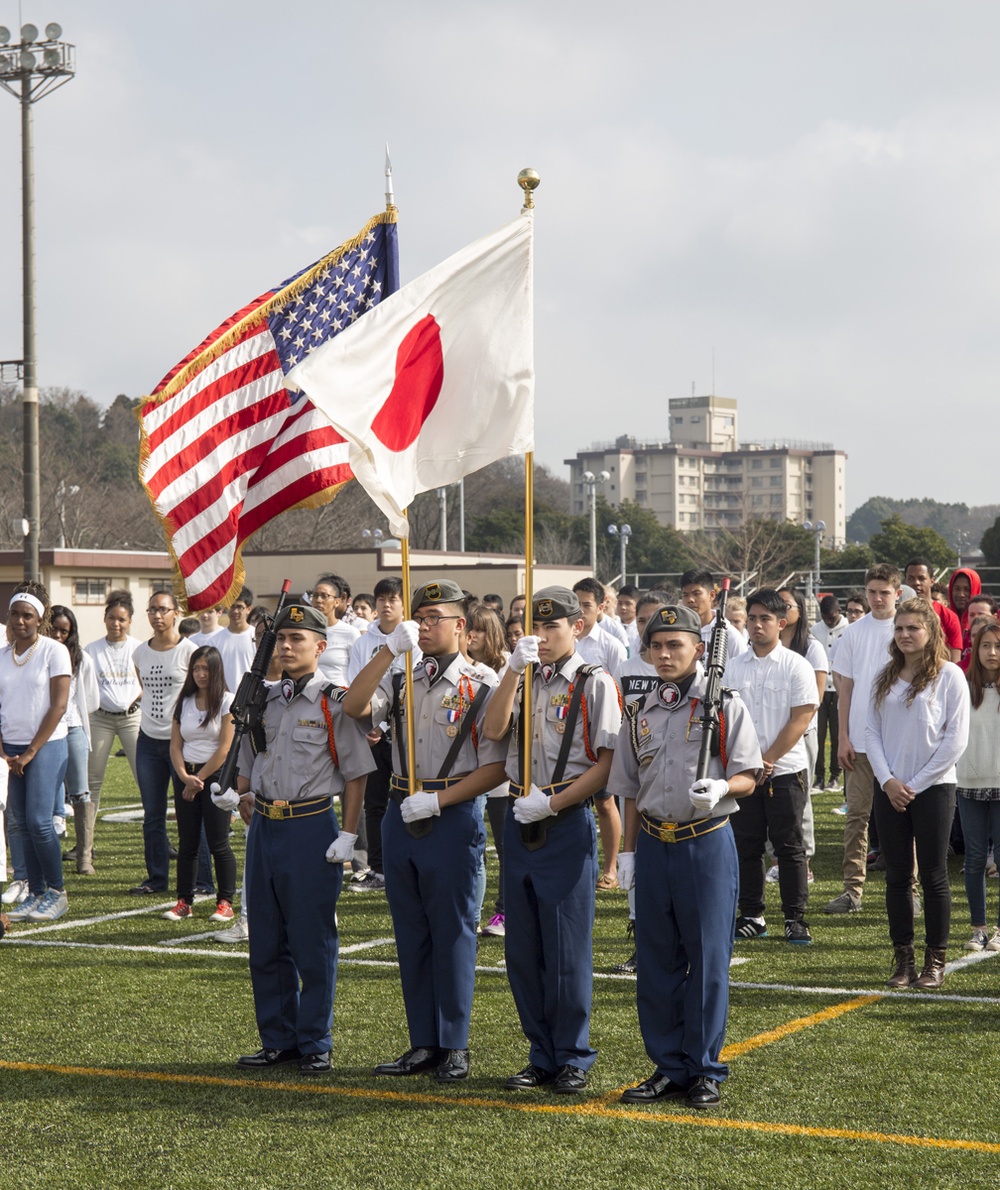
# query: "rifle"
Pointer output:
{"type": "Point", "coordinates": [249, 700]}
{"type": "Point", "coordinates": [717, 651]}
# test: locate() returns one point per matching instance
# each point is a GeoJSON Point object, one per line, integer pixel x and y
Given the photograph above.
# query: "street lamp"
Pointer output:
{"type": "Point", "coordinates": [623, 533]}
{"type": "Point", "coordinates": [819, 529]}
{"type": "Point", "coordinates": [591, 481]}
{"type": "Point", "coordinates": [372, 537]}
{"type": "Point", "coordinates": [27, 78]}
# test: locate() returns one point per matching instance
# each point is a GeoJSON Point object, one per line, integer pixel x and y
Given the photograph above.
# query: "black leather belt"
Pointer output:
{"type": "Point", "coordinates": [131, 711]}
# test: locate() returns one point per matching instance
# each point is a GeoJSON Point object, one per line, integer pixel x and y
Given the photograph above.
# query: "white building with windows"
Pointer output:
{"type": "Point", "coordinates": [703, 478]}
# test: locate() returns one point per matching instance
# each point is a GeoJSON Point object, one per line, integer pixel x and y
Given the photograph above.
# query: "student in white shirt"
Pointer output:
{"type": "Point", "coordinates": [828, 630]}
{"type": "Point", "coordinates": [201, 734]}
{"type": "Point", "coordinates": [235, 642]}
{"type": "Point", "coordinates": [626, 607]}
{"type": "Point", "coordinates": [84, 698]}
{"type": "Point", "coordinates": [698, 591]}
{"type": "Point", "coordinates": [862, 651]}
{"type": "Point", "coordinates": [917, 728]}
{"type": "Point", "coordinates": [34, 689]}
{"type": "Point", "coordinates": [598, 647]}
{"type": "Point", "coordinates": [328, 598]}
{"type": "Point", "coordinates": [162, 665]}
{"type": "Point", "coordinates": [210, 626]}
{"type": "Point", "coordinates": [779, 689]}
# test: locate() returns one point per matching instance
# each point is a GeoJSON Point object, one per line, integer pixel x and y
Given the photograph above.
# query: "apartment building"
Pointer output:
{"type": "Point", "coordinates": [701, 477]}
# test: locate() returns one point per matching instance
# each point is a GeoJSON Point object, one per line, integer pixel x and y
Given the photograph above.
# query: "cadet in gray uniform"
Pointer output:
{"type": "Point", "coordinates": [680, 852]}
{"type": "Point", "coordinates": [432, 841]}
{"type": "Point", "coordinates": [304, 753]}
{"type": "Point", "coordinates": [550, 843]}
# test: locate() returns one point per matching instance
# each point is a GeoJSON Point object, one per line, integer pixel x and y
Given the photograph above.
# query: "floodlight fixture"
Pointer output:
{"type": "Point", "coordinates": [4, 35]}
{"type": "Point", "coordinates": [29, 33]}
{"type": "Point", "coordinates": [53, 31]}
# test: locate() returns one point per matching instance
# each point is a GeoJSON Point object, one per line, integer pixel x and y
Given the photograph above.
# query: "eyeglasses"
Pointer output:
{"type": "Point", "coordinates": [160, 611]}
{"type": "Point", "coordinates": [322, 596]}
{"type": "Point", "coordinates": [433, 621]}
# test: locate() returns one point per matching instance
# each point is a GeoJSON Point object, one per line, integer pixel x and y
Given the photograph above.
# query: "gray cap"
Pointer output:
{"type": "Point", "coordinates": [672, 618]}
{"type": "Point", "coordinates": [443, 591]}
{"type": "Point", "coordinates": [554, 603]}
{"type": "Point", "coordinates": [301, 615]}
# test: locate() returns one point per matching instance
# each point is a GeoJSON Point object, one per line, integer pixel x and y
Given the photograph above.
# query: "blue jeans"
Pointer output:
{"type": "Point", "coordinates": [980, 824]}
{"type": "Point", "coordinates": [76, 764]}
{"type": "Point", "coordinates": [480, 804]}
{"type": "Point", "coordinates": [153, 769]}
{"type": "Point", "coordinates": [29, 803]}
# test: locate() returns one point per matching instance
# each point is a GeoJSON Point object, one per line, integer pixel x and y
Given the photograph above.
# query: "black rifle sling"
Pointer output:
{"type": "Point", "coordinates": [571, 717]}
{"type": "Point", "coordinates": [397, 722]}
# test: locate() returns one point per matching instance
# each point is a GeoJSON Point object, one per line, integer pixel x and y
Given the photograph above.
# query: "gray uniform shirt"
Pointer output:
{"type": "Point", "coordinates": [669, 743]}
{"type": "Point", "coordinates": [550, 697]}
{"type": "Point", "coordinates": [297, 765]}
{"type": "Point", "coordinates": [440, 712]}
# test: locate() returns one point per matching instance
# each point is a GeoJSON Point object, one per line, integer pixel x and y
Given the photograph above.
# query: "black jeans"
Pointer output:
{"type": "Point", "coordinates": [376, 800]}
{"type": "Point", "coordinates": [773, 809]}
{"type": "Point", "coordinates": [827, 717]}
{"type": "Point", "coordinates": [496, 811]}
{"type": "Point", "coordinates": [191, 817]}
{"type": "Point", "coordinates": [926, 822]}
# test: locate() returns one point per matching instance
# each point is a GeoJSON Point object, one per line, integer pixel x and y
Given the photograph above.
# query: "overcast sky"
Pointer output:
{"type": "Point", "coordinates": [810, 190]}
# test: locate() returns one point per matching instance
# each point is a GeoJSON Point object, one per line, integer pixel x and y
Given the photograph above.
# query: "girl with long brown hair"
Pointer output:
{"type": "Point", "coordinates": [917, 728]}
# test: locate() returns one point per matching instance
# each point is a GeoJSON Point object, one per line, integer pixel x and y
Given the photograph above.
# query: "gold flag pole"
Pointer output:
{"type": "Point", "coordinates": [411, 775]}
{"type": "Point", "coordinates": [528, 180]}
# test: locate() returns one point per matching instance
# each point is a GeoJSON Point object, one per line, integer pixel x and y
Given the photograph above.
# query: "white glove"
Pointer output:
{"type": "Point", "coordinates": [420, 805]}
{"type": "Point", "coordinates": [525, 654]}
{"type": "Point", "coordinates": [534, 806]}
{"type": "Point", "coordinates": [229, 800]}
{"type": "Point", "coordinates": [706, 794]}
{"type": "Point", "coordinates": [341, 849]}
{"type": "Point", "coordinates": [403, 638]}
{"type": "Point", "coordinates": [626, 869]}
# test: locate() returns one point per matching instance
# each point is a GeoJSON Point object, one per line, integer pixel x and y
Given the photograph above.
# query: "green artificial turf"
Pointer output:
{"type": "Point", "coordinates": [900, 1066]}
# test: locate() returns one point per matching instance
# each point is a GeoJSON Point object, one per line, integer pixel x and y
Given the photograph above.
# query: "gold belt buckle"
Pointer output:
{"type": "Point", "coordinates": [273, 809]}
{"type": "Point", "coordinates": [667, 831]}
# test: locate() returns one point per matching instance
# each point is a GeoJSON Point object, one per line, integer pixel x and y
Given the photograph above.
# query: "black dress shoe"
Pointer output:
{"type": "Point", "coordinates": [145, 890]}
{"type": "Point", "coordinates": [315, 1064]}
{"type": "Point", "coordinates": [267, 1057]}
{"type": "Point", "coordinates": [704, 1092]}
{"type": "Point", "coordinates": [412, 1062]}
{"type": "Point", "coordinates": [530, 1076]}
{"type": "Point", "coordinates": [657, 1086]}
{"type": "Point", "coordinates": [570, 1080]}
{"type": "Point", "coordinates": [454, 1066]}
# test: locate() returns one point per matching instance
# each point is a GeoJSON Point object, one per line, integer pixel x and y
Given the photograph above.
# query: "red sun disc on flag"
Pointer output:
{"type": "Point", "coordinates": [416, 388]}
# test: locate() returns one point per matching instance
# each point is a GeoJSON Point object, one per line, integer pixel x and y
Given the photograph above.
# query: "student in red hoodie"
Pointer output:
{"type": "Point", "coordinates": [963, 585]}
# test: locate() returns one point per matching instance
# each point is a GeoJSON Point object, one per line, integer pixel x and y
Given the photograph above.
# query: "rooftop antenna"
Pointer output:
{"type": "Point", "coordinates": [713, 369]}
{"type": "Point", "coordinates": [692, 388]}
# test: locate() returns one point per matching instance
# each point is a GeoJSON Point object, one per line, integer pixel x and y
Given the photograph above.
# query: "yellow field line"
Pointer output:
{"type": "Point", "coordinates": [739, 1048]}
{"type": "Point", "coordinates": [593, 1108]}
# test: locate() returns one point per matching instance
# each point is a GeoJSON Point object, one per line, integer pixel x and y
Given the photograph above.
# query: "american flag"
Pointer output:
{"type": "Point", "coordinates": [225, 447]}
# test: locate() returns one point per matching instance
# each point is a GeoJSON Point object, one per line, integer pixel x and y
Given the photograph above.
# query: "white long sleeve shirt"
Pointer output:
{"type": "Point", "coordinates": [920, 744]}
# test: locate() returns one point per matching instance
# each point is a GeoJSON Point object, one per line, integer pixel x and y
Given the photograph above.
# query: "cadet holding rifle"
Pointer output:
{"type": "Point", "coordinates": [680, 853]}
{"type": "Point", "coordinates": [299, 753]}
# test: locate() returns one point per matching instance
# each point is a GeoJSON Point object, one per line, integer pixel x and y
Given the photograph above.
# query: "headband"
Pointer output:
{"type": "Point", "coordinates": [31, 600]}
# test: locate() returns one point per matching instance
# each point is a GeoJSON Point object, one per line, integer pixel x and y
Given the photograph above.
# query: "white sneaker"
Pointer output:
{"type": "Point", "coordinates": [237, 933]}
{"type": "Point", "coordinates": [59, 825]}
{"type": "Point", "coordinates": [772, 875]}
{"type": "Point", "coordinates": [68, 811]}
{"type": "Point", "coordinates": [53, 905]}
{"type": "Point", "coordinates": [993, 942]}
{"type": "Point", "coordinates": [28, 905]}
{"type": "Point", "coordinates": [15, 893]}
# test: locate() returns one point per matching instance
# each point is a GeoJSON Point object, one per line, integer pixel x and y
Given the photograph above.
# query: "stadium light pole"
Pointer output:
{"type": "Point", "coordinates": [623, 533]}
{"type": "Point", "coordinates": [591, 481]}
{"type": "Point", "coordinates": [818, 529]}
{"type": "Point", "coordinates": [28, 79]}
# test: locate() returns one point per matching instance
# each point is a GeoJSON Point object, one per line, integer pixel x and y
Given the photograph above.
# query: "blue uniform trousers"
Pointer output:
{"type": "Point", "coordinates": [430, 884]}
{"type": "Point", "coordinates": [685, 917]}
{"type": "Point", "coordinates": [549, 899]}
{"type": "Point", "coordinates": [291, 894]}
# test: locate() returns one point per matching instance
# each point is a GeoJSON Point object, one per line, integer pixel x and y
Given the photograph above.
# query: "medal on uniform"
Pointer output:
{"type": "Point", "coordinates": [644, 727]}
{"type": "Point", "coordinates": [560, 728]}
{"type": "Point", "coordinates": [454, 715]}
{"type": "Point", "coordinates": [669, 695]}
{"type": "Point", "coordinates": [452, 731]}
{"type": "Point", "coordinates": [287, 689]}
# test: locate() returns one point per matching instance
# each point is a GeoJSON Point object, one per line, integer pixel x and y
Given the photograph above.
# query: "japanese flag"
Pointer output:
{"type": "Point", "coordinates": [438, 379]}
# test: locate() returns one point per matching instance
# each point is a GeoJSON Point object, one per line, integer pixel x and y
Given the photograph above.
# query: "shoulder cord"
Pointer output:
{"type": "Point", "coordinates": [328, 716]}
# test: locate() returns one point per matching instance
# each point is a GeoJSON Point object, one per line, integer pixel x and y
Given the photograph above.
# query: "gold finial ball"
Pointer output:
{"type": "Point", "coordinates": [528, 180]}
